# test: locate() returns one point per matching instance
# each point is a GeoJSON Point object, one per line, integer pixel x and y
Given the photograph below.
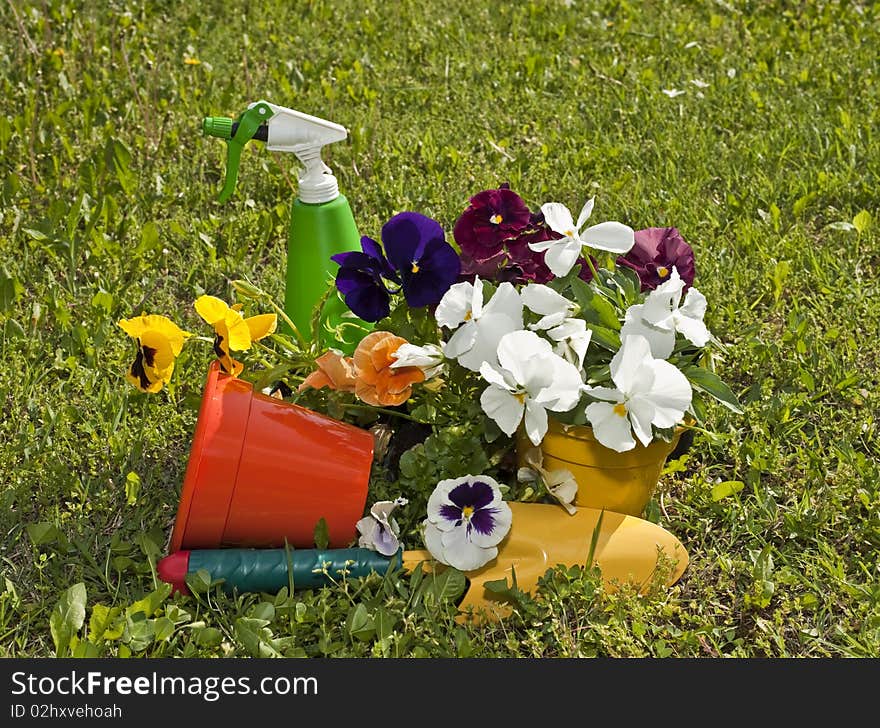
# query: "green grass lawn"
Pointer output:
{"type": "Point", "coordinates": [767, 162]}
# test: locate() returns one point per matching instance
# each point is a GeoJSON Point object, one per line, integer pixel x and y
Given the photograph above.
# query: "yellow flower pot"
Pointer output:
{"type": "Point", "coordinates": [622, 482]}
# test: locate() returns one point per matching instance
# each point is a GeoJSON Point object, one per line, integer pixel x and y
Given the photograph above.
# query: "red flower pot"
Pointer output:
{"type": "Point", "coordinates": [262, 471]}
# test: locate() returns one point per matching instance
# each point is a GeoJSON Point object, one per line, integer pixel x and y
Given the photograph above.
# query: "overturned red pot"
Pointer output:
{"type": "Point", "coordinates": [263, 472]}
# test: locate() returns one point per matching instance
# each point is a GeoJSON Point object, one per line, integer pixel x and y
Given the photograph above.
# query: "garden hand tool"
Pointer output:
{"type": "Point", "coordinates": [626, 550]}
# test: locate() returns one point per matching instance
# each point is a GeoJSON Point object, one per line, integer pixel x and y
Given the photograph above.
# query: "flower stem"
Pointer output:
{"type": "Point", "coordinates": [370, 408]}
{"type": "Point", "coordinates": [592, 268]}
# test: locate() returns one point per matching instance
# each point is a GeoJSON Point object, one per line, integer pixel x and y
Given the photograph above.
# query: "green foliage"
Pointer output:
{"type": "Point", "coordinates": [107, 207]}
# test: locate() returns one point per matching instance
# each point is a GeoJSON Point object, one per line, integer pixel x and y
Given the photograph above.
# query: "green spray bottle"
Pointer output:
{"type": "Point", "coordinates": [321, 221]}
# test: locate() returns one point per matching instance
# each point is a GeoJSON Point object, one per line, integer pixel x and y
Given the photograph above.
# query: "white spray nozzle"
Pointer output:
{"type": "Point", "coordinates": [304, 135]}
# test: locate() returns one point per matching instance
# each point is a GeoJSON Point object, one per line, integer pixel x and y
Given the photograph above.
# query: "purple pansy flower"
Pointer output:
{"type": "Point", "coordinates": [466, 521]}
{"type": "Point", "coordinates": [655, 253]}
{"type": "Point", "coordinates": [360, 280]}
{"type": "Point", "coordinates": [419, 260]}
{"type": "Point", "coordinates": [492, 217]}
{"type": "Point", "coordinates": [418, 251]}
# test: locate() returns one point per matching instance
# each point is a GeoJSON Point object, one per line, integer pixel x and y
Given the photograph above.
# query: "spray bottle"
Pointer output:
{"type": "Point", "coordinates": [321, 222]}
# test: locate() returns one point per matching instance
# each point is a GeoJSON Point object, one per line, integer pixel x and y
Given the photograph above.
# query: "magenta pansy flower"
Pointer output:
{"type": "Point", "coordinates": [655, 253]}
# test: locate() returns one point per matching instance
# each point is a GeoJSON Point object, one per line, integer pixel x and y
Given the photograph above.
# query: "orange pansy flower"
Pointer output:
{"type": "Point", "coordinates": [334, 371]}
{"type": "Point", "coordinates": [377, 383]}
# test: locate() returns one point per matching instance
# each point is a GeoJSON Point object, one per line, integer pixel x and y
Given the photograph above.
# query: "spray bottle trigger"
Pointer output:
{"type": "Point", "coordinates": [248, 124]}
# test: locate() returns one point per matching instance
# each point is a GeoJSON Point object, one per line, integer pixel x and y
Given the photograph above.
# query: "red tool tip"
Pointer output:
{"type": "Point", "coordinates": [173, 569]}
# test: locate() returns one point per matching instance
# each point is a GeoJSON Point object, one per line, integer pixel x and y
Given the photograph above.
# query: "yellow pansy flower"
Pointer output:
{"type": "Point", "coordinates": [233, 331]}
{"type": "Point", "coordinates": [160, 342]}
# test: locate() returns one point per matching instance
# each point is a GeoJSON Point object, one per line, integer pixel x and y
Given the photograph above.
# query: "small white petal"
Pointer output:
{"type": "Point", "coordinates": [541, 245]}
{"type": "Point", "coordinates": [641, 414]}
{"type": "Point", "coordinates": [609, 428]}
{"type": "Point", "coordinates": [544, 300]}
{"type": "Point", "coordinates": [611, 236]}
{"type": "Point", "coordinates": [535, 422]}
{"type": "Point", "coordinates": [629, 363]}
{"type": "Point", "coordinates": [604, 393]}
{"type": "Point", "coordinates": [670, 394]}
{"type": "Point", "coordinates": [428, 358]}
{"type": "Point", "coordinates": [455, 305]}
{"type": "Point", "coordinates": [694, 305]}
{"type": "Point", "coordinates": [503, 407]}
{"type": "Point", "coordinates": [433, 542]}
{"type": "Point", "coordinates": [564, 390]}
{"type": "Point", "coordinates": [672, 92]}
{"type": "Point", "coordinates": [517, 352]}
{"type": "Point", "coordinates": [463, 554]}
{"type": "Point", "coordinates": [561, 257]}
{"type": "Point", "coordinates": [558, 218]}
{"type": "Point", "coordinates": [498, 378]}
{"type": "Point", "coordinates": [461, 341]}
{"type": "Point", "coordinates": [661, 341]}
{"type": "Point", "coordinates": [663, 301]}
{"type": "Point", "coordinates": [693, 329]}
{"type": "Point", "coordinates": [477, 298]}
{"type": "Point", "coordinates": [586, 211]}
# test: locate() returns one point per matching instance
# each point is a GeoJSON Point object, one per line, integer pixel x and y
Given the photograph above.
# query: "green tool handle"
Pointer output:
{"type": "Point", "coordinates": [266, 570]}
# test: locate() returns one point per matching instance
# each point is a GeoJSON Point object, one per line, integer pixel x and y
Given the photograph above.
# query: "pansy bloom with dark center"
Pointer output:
{"type": "Point", "coordinates": [466, 521]}
{"type": "Point", "coordinates": [492, 217]}
{"type": "Point", "coordinates": [418, 251]}
{"type": "Point", "coordinates": [160, 342]}
{"type": "Point", "coordinates": [655, 253]}
{"type": "Point", "coordinates": [361, 280]}
{"type": "Point", "coordinates": [419, 260]}
{"type": "Point", "coordinates": [233, 332]}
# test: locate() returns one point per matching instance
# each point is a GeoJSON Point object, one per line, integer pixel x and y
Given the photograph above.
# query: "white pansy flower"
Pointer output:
{"type": "Point", "coordinates": [530, 380]}
{"type": "Point", "coordinates": [466, 521]}
{"type": "Point", "coordinates": [429, 358]}
{"type": "Point", "coordinates": [478, 328]}
{"type": "Point", "coordinates": [571, 335]}
{"type": "Point", "coordinates": [562, 253]}
{"type": "Point", "coordinates": [660, 317]}
{"type": "Point", "coordinates": [379, 531]}
{"type": "Point", "coordinates": [649, 392]}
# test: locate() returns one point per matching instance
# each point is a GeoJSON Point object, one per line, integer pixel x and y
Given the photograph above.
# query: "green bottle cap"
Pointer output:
{"type": "Point", "coordinates": [217, 126]}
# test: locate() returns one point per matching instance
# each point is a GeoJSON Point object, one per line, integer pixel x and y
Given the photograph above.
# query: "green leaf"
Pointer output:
{"type": "Point", "coordinates": [105, 623]}
{"type": "Point", "coordinates": [497, 586]}
{"type": "Point", "coordinates": [208, 637]}
{"type": "Point", "coordinates": [132, 488]}
{"type": "Point", "coordinates": [360, 624]}
{"type": "Point", "coordinates": [322, 535]}
{"type": "Point", "coordinates": [67, 618]}
{"type": "Point", "coordinates": [150, 603]}
{"type": "Point", "coordinates": [711, 384]}
{"type": "Point", "coordinates": [447, 586]}
{"type": "Point", "coordinates": [164, 628]}
{"type": "Point", "coordinates": [385, 622]}
{"type": "Point", "coordinates": [725, 489]}
{"type": "Point", "coordinates": [594, 540]}
{"type": "Point", "coordinates": [118, 160]}
{"type": "Point", "coordinates": [86, 650]}
{"type": "Point", "coordinates": [862, 221]}
{"type": "Point", "coordinates": [149, 238]}
{"type": "Point", "coordinates": [43, 533]}
{"type": "Point", "coordinates": [10, 290]}
{"type": "Point", "coordinates": [102, 300]}
{"type": "Point", "coordinates": [594, 308]}
{"type": "Point", "coordinates": [606, 338]}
